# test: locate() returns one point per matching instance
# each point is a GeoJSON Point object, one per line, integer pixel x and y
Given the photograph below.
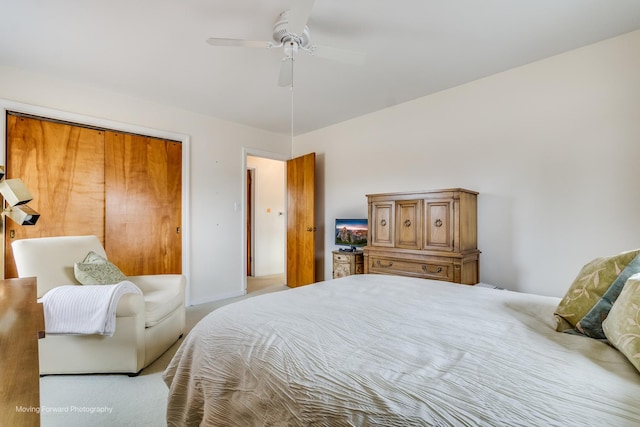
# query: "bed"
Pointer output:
{"type": "Point", "coordinates": [396, 351]}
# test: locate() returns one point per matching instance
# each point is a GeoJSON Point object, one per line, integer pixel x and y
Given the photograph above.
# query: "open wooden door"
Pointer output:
{"type": "Point", "coordinates": [301, 227]}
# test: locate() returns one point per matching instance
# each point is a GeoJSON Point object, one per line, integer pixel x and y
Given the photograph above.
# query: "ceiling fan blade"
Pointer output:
{"type": "Point", "coordinates": [286, 72]}
{"type": "Point", "coordinates": [239, 43]}
{"type": "Point", "coordinates": [352, 57]}
{"type": "Point", "coordinates": [299, 15]}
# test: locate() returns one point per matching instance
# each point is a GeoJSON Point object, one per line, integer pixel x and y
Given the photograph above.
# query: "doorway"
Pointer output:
{"type": "Point", "coordinates": [265, 209]}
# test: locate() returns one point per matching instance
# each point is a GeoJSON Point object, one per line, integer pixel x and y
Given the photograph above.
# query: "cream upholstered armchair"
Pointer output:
{"type": "Point", "coordinates": [146, 325]}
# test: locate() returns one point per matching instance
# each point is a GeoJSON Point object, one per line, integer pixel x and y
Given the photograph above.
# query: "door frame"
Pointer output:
{"type": "Point", "coordinates": [253, 152]}
{"type": "Point", "coordinates": [251, 223]}
{"type": "Point", "coordinates": [49, 113]}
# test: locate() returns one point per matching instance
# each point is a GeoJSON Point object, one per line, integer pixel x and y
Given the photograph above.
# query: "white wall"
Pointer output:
{"type": "Point", "coordinates": [269, 231]}
{"type": "Point", "coordinates": [216, 176]}
{"type": "Point", "coordinates": [552, 147]}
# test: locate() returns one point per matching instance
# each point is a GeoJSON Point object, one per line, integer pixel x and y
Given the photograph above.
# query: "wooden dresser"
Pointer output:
{"type": "Point", "coordinates": [21, 324]}
{"type": "Point", "coordinates": [427, 234]}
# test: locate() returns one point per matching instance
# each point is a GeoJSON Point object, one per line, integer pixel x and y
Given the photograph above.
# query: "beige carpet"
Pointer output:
{"type": "Point", "coordinates": [118, 400]}
{"type": "Point", "coordinates": [258, 284]}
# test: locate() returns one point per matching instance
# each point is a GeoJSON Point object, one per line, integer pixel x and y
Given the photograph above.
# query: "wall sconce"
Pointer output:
{"type": "Point", "coordinates": [16, 194]}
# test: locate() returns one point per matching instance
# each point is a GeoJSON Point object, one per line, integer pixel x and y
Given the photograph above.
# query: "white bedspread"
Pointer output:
{"type": "Point", "coordinates": [395, 351]}
{"type": "Point", "coordinates": [73, 309]}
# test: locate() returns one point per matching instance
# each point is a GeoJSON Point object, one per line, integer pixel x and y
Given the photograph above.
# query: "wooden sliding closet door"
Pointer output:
{"type": "Point", "coordinates": [125, 189]}
{"type": "Point", "coordinates": [143, 179]}
{"type": "Point", "coordinates": [63, 167]}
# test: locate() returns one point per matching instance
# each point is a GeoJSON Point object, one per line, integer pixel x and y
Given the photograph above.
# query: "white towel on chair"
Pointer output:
{"type": "Point", "coordinates": [86, 310]}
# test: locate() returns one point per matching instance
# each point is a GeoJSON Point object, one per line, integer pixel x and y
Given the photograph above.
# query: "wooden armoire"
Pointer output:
{"type": "Point", "coordinates": [427, 234]}
{"type": "Point", "coordinates": [124, 188]}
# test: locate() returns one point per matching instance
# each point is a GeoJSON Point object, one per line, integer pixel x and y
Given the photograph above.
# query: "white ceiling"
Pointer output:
{"type": "Point", "coordinates": [156, 50]}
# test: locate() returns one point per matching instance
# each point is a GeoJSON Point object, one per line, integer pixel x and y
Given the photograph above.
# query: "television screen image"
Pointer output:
{"type": "Point", "coordinates": [351, 232]}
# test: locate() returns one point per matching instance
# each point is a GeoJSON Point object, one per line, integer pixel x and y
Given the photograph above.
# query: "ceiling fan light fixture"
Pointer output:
{"type": "Point", "coordinates": [290, 50]}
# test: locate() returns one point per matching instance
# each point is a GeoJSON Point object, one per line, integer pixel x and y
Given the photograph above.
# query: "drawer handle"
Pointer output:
{"type": "Point", "coordinates": [383, 222]}
{"type": "Point", "coordinates": [407, 223]}
{"type": "Point", "coordinates": [438, 270]}
{"type": "Point", "coordinates": [438, 223]}
{"type": "Point", "coordinates": [384, 266]}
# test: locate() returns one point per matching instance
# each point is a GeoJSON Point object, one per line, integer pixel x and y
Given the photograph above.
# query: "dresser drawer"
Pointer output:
{"type": "Point", "coordinates": [426, 270]}
{"type": "Point", "coordinates": [341, 258]}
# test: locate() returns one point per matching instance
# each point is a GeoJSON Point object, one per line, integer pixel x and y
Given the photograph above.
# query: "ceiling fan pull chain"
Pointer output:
{"type": "Point", "coordinates": [291, 89]}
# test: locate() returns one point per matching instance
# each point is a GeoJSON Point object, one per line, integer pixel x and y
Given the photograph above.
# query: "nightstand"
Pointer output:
{"type": "Point", "coordinates": [347, 263]}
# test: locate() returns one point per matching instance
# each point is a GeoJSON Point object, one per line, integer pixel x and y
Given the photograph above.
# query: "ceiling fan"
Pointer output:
{"type": "Point", "coordinates": [290, 32]}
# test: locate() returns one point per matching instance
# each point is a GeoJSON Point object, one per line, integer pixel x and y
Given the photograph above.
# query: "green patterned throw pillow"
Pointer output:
{"type": "Point", "coordinates": [96, 270]}
{"type": "Point", "coordinates": [590, 297]}
{"type": "Point", "coordinates": [622, 326]}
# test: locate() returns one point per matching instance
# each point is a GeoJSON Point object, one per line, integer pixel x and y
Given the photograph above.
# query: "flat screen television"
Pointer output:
{"type": "Point", "coordinates": [351, 232]}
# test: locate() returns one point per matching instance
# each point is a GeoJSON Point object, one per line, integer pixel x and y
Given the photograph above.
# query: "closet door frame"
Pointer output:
{"type": "Point", "coordinates": [6, 106]}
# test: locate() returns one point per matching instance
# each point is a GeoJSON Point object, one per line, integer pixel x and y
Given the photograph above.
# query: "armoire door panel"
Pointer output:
{"type": "Point", "coordinates": [408, 225]}
{"type": "Point", "coordinates": [63, 167]}
{"type": "Point", "coordinates": [382, 223]}
{"type": "Point", "coordinates": [439, 224]}
{"type": "Point", "coordinates": [143, 177]}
